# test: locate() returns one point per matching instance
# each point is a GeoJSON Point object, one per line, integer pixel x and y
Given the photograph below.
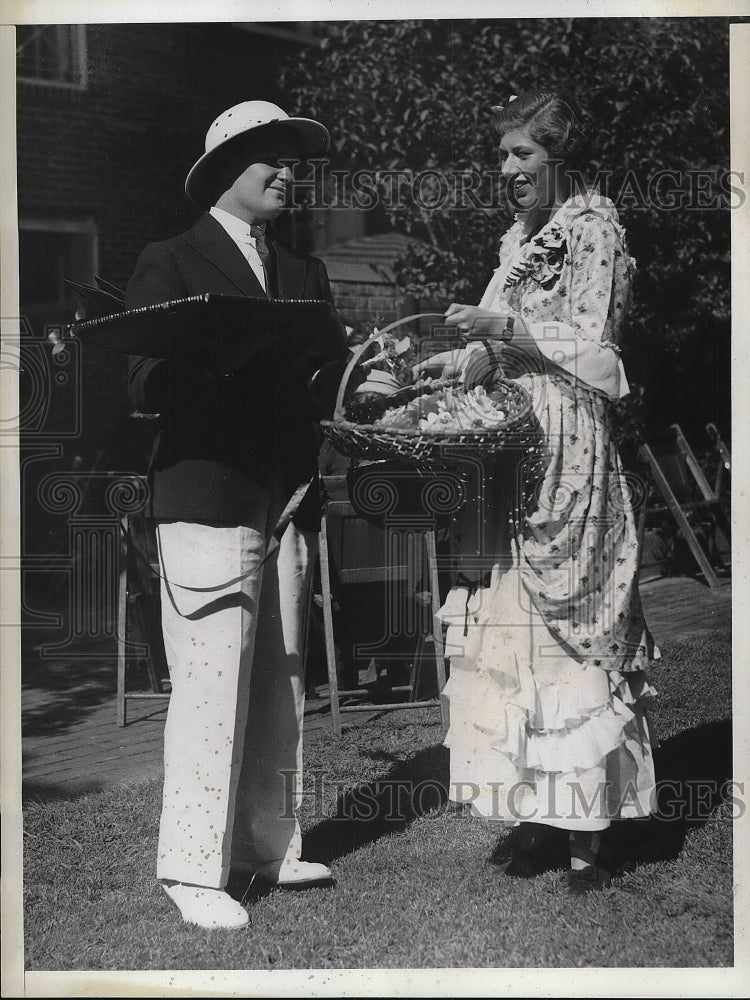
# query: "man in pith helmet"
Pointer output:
{"type": "Point", "coordinates": [236, 443]}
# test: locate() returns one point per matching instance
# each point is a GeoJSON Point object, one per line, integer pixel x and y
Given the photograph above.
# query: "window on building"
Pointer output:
{"type": "Point", "coordinates": [300, 32]}
{"type": "Point", "coordinates": [49, 252]}
{"type": "Point", "coordinates": [52, 54]}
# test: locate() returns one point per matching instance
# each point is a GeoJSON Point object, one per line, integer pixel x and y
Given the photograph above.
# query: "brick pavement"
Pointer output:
{"type": "Point", "coordinates": [680, 608]}
{"type": "Point", "coordinates": [72, 744]}
{"type": "Point", "coordinates": [86, 751]}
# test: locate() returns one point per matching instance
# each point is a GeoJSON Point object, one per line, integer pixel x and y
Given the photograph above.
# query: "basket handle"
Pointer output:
{"type": "Point", "coordinates": [491, 335]}
{"type": "Point", "coordinates": [338, 413]}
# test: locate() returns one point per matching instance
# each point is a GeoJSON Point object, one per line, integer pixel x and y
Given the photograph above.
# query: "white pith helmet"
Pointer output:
{"type": "Point", "coordinates": [244, 118]}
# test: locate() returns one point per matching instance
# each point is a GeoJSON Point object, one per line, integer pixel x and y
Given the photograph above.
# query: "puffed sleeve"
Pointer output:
{"type": "Point", "coordinates": [600, 284]}
{"type": "Point", "coordinates": [599, 289]}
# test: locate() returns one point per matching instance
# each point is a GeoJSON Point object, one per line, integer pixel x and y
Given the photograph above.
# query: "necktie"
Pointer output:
{"type": "Point", "coordinates": [259, 235]}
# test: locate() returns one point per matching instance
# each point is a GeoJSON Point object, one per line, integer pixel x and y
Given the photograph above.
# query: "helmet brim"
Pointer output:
{"type": "Point", "coordinates": [315, 139]}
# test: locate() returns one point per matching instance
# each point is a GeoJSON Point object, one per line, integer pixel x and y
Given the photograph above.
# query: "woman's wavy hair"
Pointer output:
{"type": "Point", "coordinates": [553, 119]}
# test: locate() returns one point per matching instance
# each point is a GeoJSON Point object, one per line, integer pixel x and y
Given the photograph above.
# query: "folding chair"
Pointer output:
{"type": "Point", "coordinates": [682, 484]}
{"type": "Point", "coordinates": [724, 466]}
{"type": "Point", "coordinates": [344, 550]}
{"type": "Point", "coordinates": [139, 613]}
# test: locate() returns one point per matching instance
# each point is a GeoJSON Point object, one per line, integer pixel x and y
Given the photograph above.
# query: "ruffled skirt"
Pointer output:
{"type": "Point", "coordinates": [536, 735]}
{"type": "Point", "coordinates": [547, 690]}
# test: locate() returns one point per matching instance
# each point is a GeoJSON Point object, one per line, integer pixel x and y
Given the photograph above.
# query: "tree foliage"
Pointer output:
{"type": "Point", "coordinates": [416, 95]}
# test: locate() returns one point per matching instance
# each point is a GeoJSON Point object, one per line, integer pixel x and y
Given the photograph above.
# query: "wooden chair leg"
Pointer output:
{"type": "Point", "coordinates": [325, 586]}
{"type": "Point", "coordinates": [682, 521]}
{"type": "Point", "coordinates": [693, 464]}
{"type": "Point", "coordinates": [122, 612]}
{"type": "Point", "coordinates": [437, 625]}
{"type": "Point", "coordinates": [724, 454]}
{"type": "Point", "coordinates": [149, 633]}
{"type": "Point", "coordinates": [721, 527]}
{"type": "Point", "coordinates": [415, 674]}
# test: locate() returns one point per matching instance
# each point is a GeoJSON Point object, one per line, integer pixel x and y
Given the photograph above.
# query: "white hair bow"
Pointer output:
{"type": "Point", "coordinates": [502, 107]}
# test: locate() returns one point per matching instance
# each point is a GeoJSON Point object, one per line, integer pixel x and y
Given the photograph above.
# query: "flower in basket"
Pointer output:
{"type": "Point", "coordinates": [379, 383]}
{"type": "Point", "coordinates": [387, 370]}
{"type": "Point", "coordinates": [394, 355]}
{"type": "Point", "coordinates": [542, 259]}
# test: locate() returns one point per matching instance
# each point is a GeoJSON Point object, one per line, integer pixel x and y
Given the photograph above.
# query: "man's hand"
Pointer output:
{"type": "Point", "coordinates": [324, 384]}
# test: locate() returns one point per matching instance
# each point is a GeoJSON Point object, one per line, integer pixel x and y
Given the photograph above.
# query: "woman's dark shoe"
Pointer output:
{"type": "Point", "coordinates": [592, 878]}
{"type": "Point", "coordinates": [596, 874]}
{"type": "Point", "coordinates": [530, 850]}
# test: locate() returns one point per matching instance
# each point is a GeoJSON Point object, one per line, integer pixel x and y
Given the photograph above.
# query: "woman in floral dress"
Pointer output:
{"type": "Point", "coordinates": [548, 643]}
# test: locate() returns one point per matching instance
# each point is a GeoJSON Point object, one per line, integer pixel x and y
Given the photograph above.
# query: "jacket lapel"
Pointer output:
{"type": "Point", "coordinates": [291, 272]}
{"type": "Point", "coordinates": [211, 241]}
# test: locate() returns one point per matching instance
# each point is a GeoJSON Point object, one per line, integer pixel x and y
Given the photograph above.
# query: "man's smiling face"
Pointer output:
{"type": "Point", "coordinates": [259, 191]}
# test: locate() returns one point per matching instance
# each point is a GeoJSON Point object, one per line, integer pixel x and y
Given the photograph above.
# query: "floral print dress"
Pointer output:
{"type": "Point", "coordinates": [547, 687]}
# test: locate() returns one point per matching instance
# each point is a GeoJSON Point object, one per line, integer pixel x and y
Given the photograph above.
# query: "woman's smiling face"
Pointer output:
{"type": "Point", "coordinates": [531, 176]}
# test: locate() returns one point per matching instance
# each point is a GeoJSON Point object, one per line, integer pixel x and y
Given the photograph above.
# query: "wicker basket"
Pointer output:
{"type": "Point", "coordinates": [424, 447]}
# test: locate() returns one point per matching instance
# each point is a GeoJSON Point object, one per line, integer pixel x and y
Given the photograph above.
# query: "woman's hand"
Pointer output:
{"type": "Point", "coordinates": [470, 316]}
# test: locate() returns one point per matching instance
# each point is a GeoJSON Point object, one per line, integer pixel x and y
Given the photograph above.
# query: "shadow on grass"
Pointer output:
{"type": "Point", "coordinates": [692, 770]}
{"type": "Point", "coordinates": [39, 791]}
{"type": "Point", "coordinates": [376, 809]}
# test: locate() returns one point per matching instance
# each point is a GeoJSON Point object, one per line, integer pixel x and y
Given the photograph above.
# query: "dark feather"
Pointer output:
{"type": "Point", "coordinates": [107, 286]}
{"type": "Point", "coordinates": [96, 301]}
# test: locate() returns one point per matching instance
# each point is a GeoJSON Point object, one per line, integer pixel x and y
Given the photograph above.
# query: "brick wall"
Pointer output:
{"type": "Point", "coordinates": [363, 279]}
{"type": "Point", "coordinates": [117, 151]}
{"type": "Point", "coordinates": [372, 303]}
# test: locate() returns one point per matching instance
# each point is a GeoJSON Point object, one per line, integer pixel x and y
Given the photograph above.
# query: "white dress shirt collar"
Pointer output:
{"type": "Point", "coordinates": [238, 229]}
{"type": "Point", "coordinates": [239, 232]}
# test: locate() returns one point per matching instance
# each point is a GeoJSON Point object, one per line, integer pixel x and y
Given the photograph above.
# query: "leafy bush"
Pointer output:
{"type": "Point", "coordinates": [416, 95]}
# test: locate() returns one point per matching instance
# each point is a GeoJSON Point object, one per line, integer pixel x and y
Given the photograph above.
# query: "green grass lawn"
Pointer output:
{"type": "Point", "coordinates": [417, 888]}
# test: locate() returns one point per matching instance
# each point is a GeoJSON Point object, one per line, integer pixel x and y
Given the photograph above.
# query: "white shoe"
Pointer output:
{"type": "Point", "coordinates": [289, 872]}
{"type": "Point", "coordinates": [211, 908]}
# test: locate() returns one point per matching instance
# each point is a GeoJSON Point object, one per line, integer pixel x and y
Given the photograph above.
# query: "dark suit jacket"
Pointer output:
{"type": "Point", "coordinates": [220, 436]}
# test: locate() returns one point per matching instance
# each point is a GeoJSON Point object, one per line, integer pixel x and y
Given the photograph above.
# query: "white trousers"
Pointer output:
{"type": "Point", "coordinates": [233, 634]}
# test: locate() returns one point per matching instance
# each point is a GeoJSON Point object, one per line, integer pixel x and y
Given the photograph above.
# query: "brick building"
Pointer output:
{"type": "Point", "coordinates": [109, 119]}
{"type": "Point", "coordinates": [363, 277]}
